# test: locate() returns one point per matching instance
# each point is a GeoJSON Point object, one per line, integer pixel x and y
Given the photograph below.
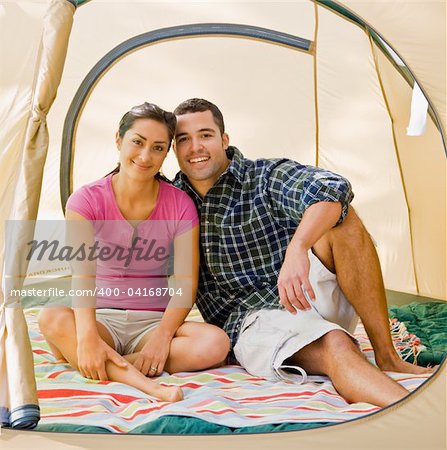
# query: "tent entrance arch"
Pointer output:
{"type": "Point", "coordinates": [143, 40]}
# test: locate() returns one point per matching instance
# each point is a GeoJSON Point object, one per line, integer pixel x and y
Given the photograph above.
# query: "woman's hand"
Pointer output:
{"type": "Point", "coordinates": [93, 353]}
{"type": "Point", "coordinates": [152, 357]}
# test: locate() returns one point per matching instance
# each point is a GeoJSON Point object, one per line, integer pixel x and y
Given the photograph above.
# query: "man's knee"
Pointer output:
{"type": "Point", "coordinates": [350, 230]}
{"type": "Point", "coordinates": [324, 354]}
{"type": "Point", "coordinates": [336, 343]}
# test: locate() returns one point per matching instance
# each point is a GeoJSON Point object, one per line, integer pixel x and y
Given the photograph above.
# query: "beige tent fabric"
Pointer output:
{"type": "Point", "coordinates": [17, 75]}
{"type": "Point", "coordinates": [423, 166]}
{"type": "Point", "coordinates": [417, 31]}
{"type": "Point", "coordinates": [17, 381]}
{"type": "Point", "coordinates": [356, 140]}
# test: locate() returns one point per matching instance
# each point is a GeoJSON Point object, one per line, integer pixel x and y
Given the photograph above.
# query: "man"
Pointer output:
{"type": "Point", "coordinates": [273, 235]}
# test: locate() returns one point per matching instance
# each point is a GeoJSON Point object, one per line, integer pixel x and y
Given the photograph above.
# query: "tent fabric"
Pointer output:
{"type": "Point", "coordinates": [14, 112]}
{"type": "Point", "coordinates": [415, 30]}
{"type": "Point", "coordinates": [421, 171]}
{"type": "Point", "coordinates": [418, 35]}
{"type": "Point", "coordinates": [18, 403]}
{"type": "Point", "coordinates": [351, 110]}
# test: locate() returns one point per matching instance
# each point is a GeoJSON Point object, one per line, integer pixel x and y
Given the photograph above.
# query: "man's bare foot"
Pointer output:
{"type": "Point", "coordinates": [166, 393]}
{"type": "Point", "coordinates": [395, 364]}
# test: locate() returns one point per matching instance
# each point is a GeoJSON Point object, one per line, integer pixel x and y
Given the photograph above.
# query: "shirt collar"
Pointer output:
{"type": "Point", "coordinates": [237, 166]}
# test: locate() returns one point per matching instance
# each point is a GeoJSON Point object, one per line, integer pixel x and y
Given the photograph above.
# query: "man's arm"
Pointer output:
{"type": "Point", "coordinates": [294, 275]}
{"type": "Point", "coordinates": [317, 200]}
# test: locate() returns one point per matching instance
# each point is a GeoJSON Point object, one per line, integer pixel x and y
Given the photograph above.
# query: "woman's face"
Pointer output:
{"type": "Point", "coordinates": [143, 149]}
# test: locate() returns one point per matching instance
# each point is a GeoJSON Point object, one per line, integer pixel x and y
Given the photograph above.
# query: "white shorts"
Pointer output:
{"type": "Point", "coordinates": [128, 327]}
{"type": "Point", "coordinates": [269, 337]}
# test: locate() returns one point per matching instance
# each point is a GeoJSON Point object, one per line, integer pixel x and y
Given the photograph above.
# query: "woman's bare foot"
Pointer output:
{"type": "Point", "coordinates": [165, 393]}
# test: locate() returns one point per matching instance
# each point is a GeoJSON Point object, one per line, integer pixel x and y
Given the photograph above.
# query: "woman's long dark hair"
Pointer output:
{"type": "Point", "coordinates": [147, 111]}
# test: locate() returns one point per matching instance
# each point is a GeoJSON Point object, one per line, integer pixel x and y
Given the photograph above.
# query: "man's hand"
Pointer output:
{"type": "Point", "coordinates": [92, 356]}
{"type": "Point", "coordinates": [294, 279]}
{"type": "Point", "coordinates": [152, 357]}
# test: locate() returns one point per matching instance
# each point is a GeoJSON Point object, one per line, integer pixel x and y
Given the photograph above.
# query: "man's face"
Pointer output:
{"type": "Point", "coordinates": [200, 148]}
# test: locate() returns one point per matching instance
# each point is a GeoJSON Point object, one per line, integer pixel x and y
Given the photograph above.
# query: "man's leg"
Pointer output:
{"type": "Point", "coordinates": [347, 251]}
{"type": "Point", "coordinates": [354, 378]}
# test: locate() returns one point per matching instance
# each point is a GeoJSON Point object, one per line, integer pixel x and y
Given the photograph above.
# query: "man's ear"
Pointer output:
{"type": "Point", "coordinates": [225, 140]}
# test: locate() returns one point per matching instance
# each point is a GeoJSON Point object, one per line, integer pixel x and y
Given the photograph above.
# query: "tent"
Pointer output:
{"type": "Point", "coordinates": [357, 87]}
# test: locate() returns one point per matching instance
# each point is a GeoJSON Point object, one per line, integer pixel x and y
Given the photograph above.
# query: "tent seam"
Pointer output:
{"type": "Point", "coordinates": [317, 128]}
{"type": "Point", "coordinates": [342, 16]}
{"type": "Point", "coordinates": [399, 163]}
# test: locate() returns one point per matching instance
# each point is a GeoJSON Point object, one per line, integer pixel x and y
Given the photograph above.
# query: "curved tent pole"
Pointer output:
{"type": "Point", "coordinates": [143, 40]}
{"type": "Point", "coordinates": [18, 397]}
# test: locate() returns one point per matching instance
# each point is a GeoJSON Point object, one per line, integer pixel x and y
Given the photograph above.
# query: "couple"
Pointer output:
{"type": "Point", "coordinates": [273, 234]}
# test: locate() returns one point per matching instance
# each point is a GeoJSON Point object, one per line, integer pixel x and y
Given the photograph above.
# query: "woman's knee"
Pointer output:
{"type": "Point", "coordinates": [53, 321]}
{"type": "Point", "coordinates": [211, 345]}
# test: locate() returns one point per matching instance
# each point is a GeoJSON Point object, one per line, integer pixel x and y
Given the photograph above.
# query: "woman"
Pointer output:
{"type": "Point", "coordinates": [134, 217]}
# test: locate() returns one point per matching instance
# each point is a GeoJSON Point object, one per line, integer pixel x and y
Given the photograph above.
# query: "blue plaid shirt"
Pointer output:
{"type": "Point", "coordinates": [247, 220]}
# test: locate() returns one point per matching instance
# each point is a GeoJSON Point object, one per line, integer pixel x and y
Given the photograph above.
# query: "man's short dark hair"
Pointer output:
{"type": "Point", "coordinates": [194, 105]}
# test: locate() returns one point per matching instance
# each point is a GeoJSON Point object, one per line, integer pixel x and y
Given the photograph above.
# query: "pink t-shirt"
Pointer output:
{"type": "Point", "coordinates": [133, 263]}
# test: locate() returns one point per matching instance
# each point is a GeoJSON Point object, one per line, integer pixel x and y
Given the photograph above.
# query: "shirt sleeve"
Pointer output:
{"type": "Point", "coordinates": [294, 187]}
{"type": "Point", "coordinates": [82, 203]}
{"type": "Point", "coordinates": [188, 217]}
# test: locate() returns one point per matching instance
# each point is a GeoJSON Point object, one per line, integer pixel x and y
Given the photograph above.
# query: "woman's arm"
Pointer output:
{"type": "Point", "coordinates": [186, 273]}
{"type": "Point", "coordinates": [186, 278]}
{"type": "Point", "coordinates": [92, 350]}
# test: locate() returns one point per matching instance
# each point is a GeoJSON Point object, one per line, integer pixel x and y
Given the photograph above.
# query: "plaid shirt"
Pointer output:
{"type": "Point", "coordinates": [247, 220]}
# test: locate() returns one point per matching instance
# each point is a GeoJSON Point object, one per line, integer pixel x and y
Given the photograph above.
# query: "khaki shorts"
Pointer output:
{"type": "Point", "coordinates": [128, 327]}
{"type": "Point", "coordinates": [269, 337]}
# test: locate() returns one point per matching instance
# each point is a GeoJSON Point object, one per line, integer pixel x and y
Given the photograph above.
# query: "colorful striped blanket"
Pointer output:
{"type": "Point", "coordinates": [227, 396]}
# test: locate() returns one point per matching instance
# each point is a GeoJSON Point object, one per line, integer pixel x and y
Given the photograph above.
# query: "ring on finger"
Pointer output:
{"type": "Point", "coordinates": [153, 369]}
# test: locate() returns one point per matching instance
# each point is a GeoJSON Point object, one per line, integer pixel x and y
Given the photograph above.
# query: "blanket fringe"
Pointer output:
{"type": "Point", "coordinates": [407, 344]}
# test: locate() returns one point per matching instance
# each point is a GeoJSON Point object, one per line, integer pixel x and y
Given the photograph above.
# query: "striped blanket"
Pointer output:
{"type": "Point", "coordinates": [227, 396]}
